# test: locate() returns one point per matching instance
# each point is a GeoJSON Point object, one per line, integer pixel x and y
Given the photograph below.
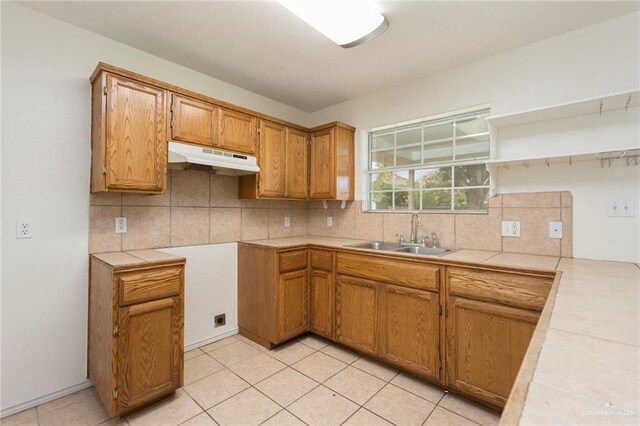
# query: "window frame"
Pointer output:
{"type": "Point", "coordinates": [453, 119]}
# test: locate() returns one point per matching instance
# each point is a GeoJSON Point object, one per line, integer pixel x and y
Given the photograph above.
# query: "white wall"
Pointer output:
{"type": "Point", "coordinates": [45, 176]}
{"type": "Point", "coordinates": [586, 63]}
{"type": "Point", "coordinates": [211, 277]}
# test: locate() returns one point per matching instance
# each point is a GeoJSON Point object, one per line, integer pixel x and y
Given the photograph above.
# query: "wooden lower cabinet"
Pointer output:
{"type": "Point", "coordinates": [357, 313]}
{"type": "Point", "coordinates": [486, 345]}
{"type": "Point", "coordinates": [321, 303]}
{"type": "Point", "coordinates": [273, 293]}
{"type": "Point", "coordinates": [292, 318]}
{"type": "Point", "coordinates": [410, 330]}
{"type": "Point", "coordinates": [464, 327]}
{"type": "Point", "coordinates": [136, 331]}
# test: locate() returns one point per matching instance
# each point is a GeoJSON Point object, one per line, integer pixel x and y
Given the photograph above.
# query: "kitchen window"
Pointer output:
{"type": "Point", "coordinates": [434, 164]}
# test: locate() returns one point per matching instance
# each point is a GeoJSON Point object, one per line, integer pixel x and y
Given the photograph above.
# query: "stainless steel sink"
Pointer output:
{"type": "Point", "coordinates": [377, 245]}
{"type": "Point", "coordinates": [398, 248]}
{"type": "Point", "coordinates": [426, 251]}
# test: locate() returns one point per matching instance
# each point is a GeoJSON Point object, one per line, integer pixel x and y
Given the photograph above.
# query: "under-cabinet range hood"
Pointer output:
{"type": "Point", "coordinates": [221, 161]}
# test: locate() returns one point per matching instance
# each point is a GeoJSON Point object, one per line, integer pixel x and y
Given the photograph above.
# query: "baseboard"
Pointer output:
{"type": "Point", "coordinates": [87, 383]}
{"type": "Point", "coordinates": [45, 398]}
{"type": "Point", "coordinates": [206, 341]}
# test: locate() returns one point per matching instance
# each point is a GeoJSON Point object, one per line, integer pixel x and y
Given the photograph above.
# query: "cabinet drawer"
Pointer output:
{"type": "Point", "coordinates": [396, 271]}
{"type": "Point", "coordinates": [155, 284]}
{"type": "Point", "coordinates": [321, 259]}
{"type": "Point", "coordinates": [523, 291]}
{"type": "Point", "coordinates": [292, 260]}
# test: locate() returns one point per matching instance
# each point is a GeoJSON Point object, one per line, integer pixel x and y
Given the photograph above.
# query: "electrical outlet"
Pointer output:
{"type": "Point", "coordinates": [329, 221]}
{"type": "Point", "coordinates": [510, 229]}
{"type": "Point", "coordinates": [555, 229]}
{"type": "Point", "coordinates": [121, 225]}
{"type": "Point", "coordinates": [620, 207]}
{"type": "Point", "coordinates": [287, 221]}
{"type": "Point", "coordinates": [24, 228]}
{"type": "Point", "coordinates": [219, 320]}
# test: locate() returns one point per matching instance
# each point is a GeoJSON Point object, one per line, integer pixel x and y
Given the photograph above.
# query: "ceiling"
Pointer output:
{"type": "Point", "coordinates": [262, 47]}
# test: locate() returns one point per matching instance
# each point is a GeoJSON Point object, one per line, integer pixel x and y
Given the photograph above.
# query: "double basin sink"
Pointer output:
{"type": "Point", "coordinates": [403, 248]}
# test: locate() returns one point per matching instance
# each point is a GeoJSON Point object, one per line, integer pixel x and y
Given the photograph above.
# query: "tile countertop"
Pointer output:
{"type": "Point", "coordinates": [124, 259]}
{"type": "Point", "coordinates": [583, 363]}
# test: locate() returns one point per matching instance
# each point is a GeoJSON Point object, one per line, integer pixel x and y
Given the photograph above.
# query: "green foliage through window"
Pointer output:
{"type": "Point", "coordinates": [432, 165]}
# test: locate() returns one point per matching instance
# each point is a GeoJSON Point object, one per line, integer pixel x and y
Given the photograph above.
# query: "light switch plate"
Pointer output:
{"type": "Point", "coordinates": [24, 228]}
{"type": "Point", "coordinates": [620, 207]}
{"type": "Point", "coordinates": [287, 221]}
{"type": "Point", "coordinates": [329, 221]}
{"type": "Point", "coordinates": [555, 230]}
{"type": "Point", "coordinates": [510, 229]}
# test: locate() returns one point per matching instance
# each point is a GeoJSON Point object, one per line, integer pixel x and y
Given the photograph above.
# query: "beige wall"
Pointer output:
{"type": "Point", "coordinates": [198, 208]}
{"type": "Point", "coordinates": [203, 208]}
{"type": "Point", "coordinates": [534, 211]}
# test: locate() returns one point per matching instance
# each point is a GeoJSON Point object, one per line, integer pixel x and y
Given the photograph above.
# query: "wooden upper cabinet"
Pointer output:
{"type": "Point", "coordinates": [332, 162]}
{"type": "Point", "coordinates": [193, 121]}
{"type": "Point", "coordinates": [486, 344]}
{"type": "Point", "coordinates": [322, 178]}
{"type": "Point", "coordinates": [297, 171]}
{"type": "Point", "coordinates": [129, 136]}
{"type": "Point", "coordinates": [357, 313]}
{"type": "Point", "coordinates": [410, 330]}
{"type": "Point", "coordinates": [272, 158]}
{"type": "Point", "coordinates": [238, 131]}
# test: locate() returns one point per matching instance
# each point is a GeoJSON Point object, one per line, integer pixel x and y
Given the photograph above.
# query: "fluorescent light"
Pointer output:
{"type": "Point", "coordinates": [347, 22]}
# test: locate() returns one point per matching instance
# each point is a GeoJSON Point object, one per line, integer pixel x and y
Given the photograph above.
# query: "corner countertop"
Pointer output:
{"type": "Point", "coordinates": [125, 259]}
{"type": "Point", "coordinates": [583, 363]}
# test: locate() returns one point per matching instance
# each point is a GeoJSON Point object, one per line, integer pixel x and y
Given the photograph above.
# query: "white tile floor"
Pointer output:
{"type": "Point", "coordinates": [308, 381]}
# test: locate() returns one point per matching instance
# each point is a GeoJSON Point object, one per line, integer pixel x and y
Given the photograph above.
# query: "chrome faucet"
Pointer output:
{"type": "Point", "coordinates": [433, 238]}
{"type": "Point", "coordinates": [415, 223]}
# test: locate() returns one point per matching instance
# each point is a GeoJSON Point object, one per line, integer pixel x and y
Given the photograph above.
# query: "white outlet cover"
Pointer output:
{"type": "Point", "coordinates": [510, 229]}
{"type": "Point", "coordinates": [620, 207]}
{"type": "Point", "coordinates": [24, 228]}
{"type": "Point", "coordinates": [121, 225]}
{"type": "Point", "coordinates": [287, 221]}
{"type": "Point", "coordinates": [555, 230]}
{"type": "Point", "coordinates": [329, 221]}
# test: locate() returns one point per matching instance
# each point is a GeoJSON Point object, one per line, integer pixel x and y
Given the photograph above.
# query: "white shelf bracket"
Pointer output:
{"type": "Point", "coordinates": [493, 180]}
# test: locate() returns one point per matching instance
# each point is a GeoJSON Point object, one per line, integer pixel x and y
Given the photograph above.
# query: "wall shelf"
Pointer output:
{"type": "Point", "coordinates": [599, 105]}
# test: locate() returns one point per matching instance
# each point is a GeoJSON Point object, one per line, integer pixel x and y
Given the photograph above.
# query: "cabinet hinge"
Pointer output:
{"type": "Point", "coordinates": [116, 329]}
{"type": "Point", "coordinates": [439, 363]}
{"type": "Point", "coordinates": [104, 90]}
{"type": "Point", "coordinates": [115, 393]}
{"type": "Point", "coordinates": [258, 131]}
{"type": "Point", "coordinates": [446, 311]}
{"type": "Point", "coordinates": [440, 310]}
{"type": "Point", "coordinates": [104, 170]}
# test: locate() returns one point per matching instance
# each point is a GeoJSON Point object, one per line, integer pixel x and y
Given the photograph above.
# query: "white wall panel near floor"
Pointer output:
{"type": "Point", "coordinates": [211, 277]}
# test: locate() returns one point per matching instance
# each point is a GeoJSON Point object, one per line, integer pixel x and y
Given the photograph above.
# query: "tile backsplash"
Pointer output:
{"type": "Point", "coordinates": [198, 208]}
{"type": "Point", "coordinates": [203, 208]}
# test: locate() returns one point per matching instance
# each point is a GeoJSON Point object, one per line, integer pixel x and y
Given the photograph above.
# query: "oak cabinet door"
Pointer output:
{"type": "Point", "coordinates": [321, 303]}
{"type": "Point", "coordinates": [238, 131]}
{"type": "Point", "coordinates": [150, 351]}
{"type": "Point", "coordinates": [193, 121]}
{"type": "Point", "coordinates": [292, 304]}
{"type": "Point", "coordinates": [296, 165]}
{"type": "Point", "coordinates": [357, 313]}
{"type": "Point", "coordinates": [136, 136]}
{"type": "Point", "coordinates": [272, 160]}
{"type": "Point", "coordinates": [410, 330]}
{"type": "Point", "coordinates": [486, 344]}
{"type": "Point", "coordinates": [322, 183]}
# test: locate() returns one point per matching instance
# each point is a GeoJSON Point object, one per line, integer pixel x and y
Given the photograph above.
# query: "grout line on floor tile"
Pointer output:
{"type": "Point", "coordinates": [566, 330]}
{"type": "Point", "coordinates": [456, 413]}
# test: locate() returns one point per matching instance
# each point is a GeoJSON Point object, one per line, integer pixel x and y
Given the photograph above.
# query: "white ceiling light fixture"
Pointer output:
{"type": "Point", "coordinates": [347, 23]}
